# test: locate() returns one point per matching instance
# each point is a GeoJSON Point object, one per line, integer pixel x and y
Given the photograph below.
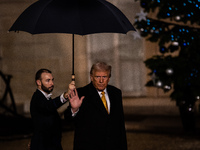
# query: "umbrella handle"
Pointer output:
{"type": "Point", "coordinates": [73, 77]}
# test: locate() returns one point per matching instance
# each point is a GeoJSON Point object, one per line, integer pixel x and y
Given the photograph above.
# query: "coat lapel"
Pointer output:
{"type": "Point", "coordinates": [112, 98]}
{"type": "Point", "coordinates": [96, 99]}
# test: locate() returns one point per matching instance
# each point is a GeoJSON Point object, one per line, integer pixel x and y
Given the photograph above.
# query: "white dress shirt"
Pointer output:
{"type": "Point", "coordinates": [107, 98]}
{"type": "Point", "coordinates": [62, 99]}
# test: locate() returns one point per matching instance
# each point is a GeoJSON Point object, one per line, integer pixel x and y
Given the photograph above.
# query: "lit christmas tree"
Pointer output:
{"type": "Point", "coordinates": [175, 26]}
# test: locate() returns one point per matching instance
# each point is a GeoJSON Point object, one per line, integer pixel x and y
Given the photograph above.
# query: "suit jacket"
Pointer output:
{"type": "Point", "coordinates": [95, 129]}
{"type": "Point", "coordinates": [46, 122]}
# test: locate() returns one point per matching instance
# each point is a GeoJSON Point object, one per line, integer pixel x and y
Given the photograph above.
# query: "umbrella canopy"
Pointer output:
{"type": "Point", "coordinates": [72, 16]}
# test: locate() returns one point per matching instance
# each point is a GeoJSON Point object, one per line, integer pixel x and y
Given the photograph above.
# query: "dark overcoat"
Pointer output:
{"type": "Point", "coordinates": [95, 129]}
{"type": "Point", "coordinates": [46, 122]}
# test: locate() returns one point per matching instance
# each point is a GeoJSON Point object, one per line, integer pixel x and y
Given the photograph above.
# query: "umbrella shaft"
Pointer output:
{"type": "Point", "coordinates": [72, 54]}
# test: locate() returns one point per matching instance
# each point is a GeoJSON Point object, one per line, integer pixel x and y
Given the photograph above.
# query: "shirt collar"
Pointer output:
{"type": "Point", "coordinates": [48, 96]}
{"type": "Point", "coordinates": [105, 91]}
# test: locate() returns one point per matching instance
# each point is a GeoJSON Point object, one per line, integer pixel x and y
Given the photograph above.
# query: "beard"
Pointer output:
{"type": "Point", "coordinates": [47, 89]}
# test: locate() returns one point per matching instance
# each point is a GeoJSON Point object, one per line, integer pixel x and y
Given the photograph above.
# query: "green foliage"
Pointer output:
{"type": "Point", "coordinates": [174, 30]}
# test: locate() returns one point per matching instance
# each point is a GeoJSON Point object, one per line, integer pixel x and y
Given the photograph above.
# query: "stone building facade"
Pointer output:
{"type": "Point", "coordinates": [22, 54]}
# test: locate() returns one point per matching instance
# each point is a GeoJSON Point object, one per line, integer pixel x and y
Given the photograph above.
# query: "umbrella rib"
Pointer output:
{"type": "Point", "coordinates": [116, 16]}
{"type": "Point", "coordinates": [40, 15]}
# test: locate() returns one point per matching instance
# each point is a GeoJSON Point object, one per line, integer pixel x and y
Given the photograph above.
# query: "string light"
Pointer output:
{"type": "Point", "coordinates": [176, 27]}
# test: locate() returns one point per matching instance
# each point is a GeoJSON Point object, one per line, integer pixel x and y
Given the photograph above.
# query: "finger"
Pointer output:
{"type": "Point", "coordinates": [72, 83]}
{"type": "Point", "coordinates": [72, 93]}
{"type": "Point", "coordinates": [76, 93]}
{"type": "Point", "coordinates": [69, 96]}
{"type": "Point", "coordinates": [82, 98]}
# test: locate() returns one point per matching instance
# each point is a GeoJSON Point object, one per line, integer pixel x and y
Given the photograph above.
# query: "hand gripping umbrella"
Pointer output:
{"type": "Point", "coordinates": [80, 17]}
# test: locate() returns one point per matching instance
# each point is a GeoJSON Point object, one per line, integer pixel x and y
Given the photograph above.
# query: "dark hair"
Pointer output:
{"type": "Point", "coordinates": [101, 66]}
{"type": "Point", "coordinates": [39, 72]}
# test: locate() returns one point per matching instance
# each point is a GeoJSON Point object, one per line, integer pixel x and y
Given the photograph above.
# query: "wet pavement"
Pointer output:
{"type": "Point", "coordinates": [143, 133]}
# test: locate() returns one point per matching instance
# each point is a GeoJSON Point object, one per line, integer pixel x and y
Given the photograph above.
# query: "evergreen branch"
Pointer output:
{"type": "Point", "coordinates": [175, 24]}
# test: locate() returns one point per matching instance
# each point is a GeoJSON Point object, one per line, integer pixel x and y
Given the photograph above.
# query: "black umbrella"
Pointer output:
{"type": "Point", "coordinates": [72, 16]}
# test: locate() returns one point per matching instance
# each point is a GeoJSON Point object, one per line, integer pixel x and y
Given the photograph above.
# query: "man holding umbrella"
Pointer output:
{"type": "Point", "coordinates": [96, 127]}
{"type": "Point", "coordinates": [99, 123]}
{"type": "Point", "coordinates": [46, 120]}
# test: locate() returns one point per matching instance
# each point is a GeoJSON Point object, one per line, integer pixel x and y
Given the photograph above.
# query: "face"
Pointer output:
{"type": "Point", "coordinates": [46, 82]}
{"type": "Point", "coordinates": [100, 79]}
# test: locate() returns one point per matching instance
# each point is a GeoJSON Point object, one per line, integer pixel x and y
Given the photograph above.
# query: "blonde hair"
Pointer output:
{"type": "Point", "coordinates": [101, 66]}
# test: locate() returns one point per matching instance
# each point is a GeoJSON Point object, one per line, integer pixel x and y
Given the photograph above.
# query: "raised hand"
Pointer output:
{"type": "Point", "coordinates": [74, 100]}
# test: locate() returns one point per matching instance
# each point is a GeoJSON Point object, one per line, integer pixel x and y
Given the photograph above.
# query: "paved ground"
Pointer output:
{"type": "Point", "coordinates": [143, 133]}
{"type": "Point", "coordinates": [136, 141]}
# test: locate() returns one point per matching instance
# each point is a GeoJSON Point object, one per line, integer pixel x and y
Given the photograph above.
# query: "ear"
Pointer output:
{"type": "Point", "coordinates": [38, 82]}
{"type": "Point", "coordinates": [109, 79]}
{"type": "Point", "coordinates": [91, 77]}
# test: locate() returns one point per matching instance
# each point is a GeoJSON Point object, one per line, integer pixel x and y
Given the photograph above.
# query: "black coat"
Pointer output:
{"type": "Point", "coordinates": [46, 122]}
{"type": "Point", "coordinates": [95, 129]}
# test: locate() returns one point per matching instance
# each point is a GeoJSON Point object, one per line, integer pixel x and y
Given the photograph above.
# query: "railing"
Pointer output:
{"type": "Point", "coordinates": [11, 108]}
